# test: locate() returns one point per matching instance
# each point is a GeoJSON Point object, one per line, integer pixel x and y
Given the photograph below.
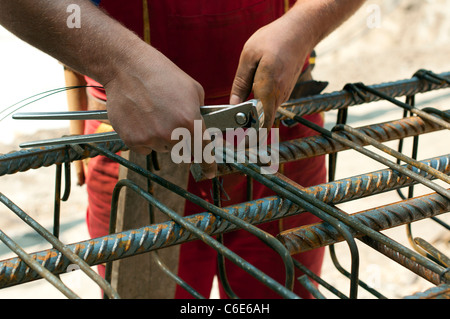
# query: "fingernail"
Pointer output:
{"type": "Point", "coordinates": [234, 99]}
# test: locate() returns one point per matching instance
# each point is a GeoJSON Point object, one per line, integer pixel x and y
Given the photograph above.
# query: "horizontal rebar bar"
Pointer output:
{"type": "Point", "coordinates": [405, 261]}
{"type": "Point", "coordinates": [317, 235]}
{"type": "Point", "coordinates": [152, 237]}
{"type": "Point", "coordinates": [438, 292]}
{"type": "Point", "coordinates": [342, 99]}
{"type": "Point", "coordinates": [23, 160]}
{"type": "Point", "coordinates": [358, 146]}
{"type": "Point", "coordinates": [317, 145]}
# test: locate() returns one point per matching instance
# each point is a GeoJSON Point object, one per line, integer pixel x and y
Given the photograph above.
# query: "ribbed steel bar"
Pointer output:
{"type": "Point", "coordinates": [317, 145]}
{"type": "Point", "coordinates": [124, 244]}
{"type": "Point", "coordinates": [24, 160]}
{"type": "Point", "coordinates": [433, 276]}
{"type": "Point", "coordinates": [293, 150]}
{"type": "Point", "coordinates": [438, 292]}
{"type": "Point", "coordinates": [357, 146]}
{"type": "Point", "coordinates": [299, 197]}
{"type": "Point", "coordinates": [390, 151]}
{"type": "Point", "coordinates": [74, 258]}
{"type": "Point", "coordinates": [342, 99]}
{"type": "Point", "coordinates": [37, 267]}
{"type": "Point", "coordinates": [317, 235]}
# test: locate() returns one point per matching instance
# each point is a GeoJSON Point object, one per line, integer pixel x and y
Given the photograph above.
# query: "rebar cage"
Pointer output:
{"type": "Point", "coordinates": [401, 174]}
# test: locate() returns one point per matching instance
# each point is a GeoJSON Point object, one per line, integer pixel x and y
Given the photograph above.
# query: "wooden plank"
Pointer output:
{"type": "Point", "coordinates": [139, 277]}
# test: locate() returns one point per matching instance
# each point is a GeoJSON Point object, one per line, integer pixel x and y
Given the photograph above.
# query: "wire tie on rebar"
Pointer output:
{"type": "Point", "coordinates": [77, 148]}
{"type": "Point", "coordinates": [431, 77]}
{"type": "Point", "coordinates": [443, 275]}
{"type": "Point", "coordinates": [356, 92]}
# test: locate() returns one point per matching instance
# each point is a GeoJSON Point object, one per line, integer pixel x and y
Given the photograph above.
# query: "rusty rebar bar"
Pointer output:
{"type": "Point", "coordinates": [438, 292]}
{"type": "Point", "coordinates": [357, 146]}
{"type": "Point", "coordinates": [317, 235]}
{"type": "Point", "coordinates": [317, 145]}
{"type": "Point", "coordinates": [344, 98]}
{"type": "Point", "coordinates": [23, 160]}
{"type": "Point", "coordinates": [124, 244]}
{"type": "Point", "coordinates": [433, 276]}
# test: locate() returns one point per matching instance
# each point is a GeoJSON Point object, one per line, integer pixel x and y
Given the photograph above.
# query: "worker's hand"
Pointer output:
{"type": "Point", "coordinates": [149, 98]}
{"type": "Point", "coordinates": [270, 64]}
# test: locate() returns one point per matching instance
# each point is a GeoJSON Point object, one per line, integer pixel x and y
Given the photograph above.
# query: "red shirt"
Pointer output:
{"type": "Point", "coordinates": [203, 37]}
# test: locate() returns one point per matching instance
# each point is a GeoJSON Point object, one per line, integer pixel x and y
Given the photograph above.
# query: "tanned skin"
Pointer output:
{"type": "Point", "coordinates": [148, 95]}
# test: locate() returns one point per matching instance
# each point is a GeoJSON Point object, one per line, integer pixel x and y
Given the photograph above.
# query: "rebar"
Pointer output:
{"type": "Point", "coordinates": [290, 199]}
{"type": "Point", "coordinates": [153, 237]}
{"type": "Point", "coordinates": [317, 235]}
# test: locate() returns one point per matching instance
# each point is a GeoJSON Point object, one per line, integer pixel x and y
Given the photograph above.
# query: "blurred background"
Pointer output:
{"type": "Point", "coordinates": [384, 41]}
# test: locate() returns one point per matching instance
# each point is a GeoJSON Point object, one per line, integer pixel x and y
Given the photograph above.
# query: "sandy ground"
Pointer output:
{"type": "Point", "coordinates": [383, 42]}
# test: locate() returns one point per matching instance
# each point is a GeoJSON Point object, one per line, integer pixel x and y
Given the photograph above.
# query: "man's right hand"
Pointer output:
{"type": "Point", "coordinates": [151, 97]}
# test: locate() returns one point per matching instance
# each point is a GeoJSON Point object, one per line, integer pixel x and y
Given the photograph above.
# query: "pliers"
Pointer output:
{"type": "Point", "coordinates": [248, 114]}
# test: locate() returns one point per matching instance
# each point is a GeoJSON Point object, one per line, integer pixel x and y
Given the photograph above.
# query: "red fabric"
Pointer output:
{"type": "Point", "coordinates": [205, 39]}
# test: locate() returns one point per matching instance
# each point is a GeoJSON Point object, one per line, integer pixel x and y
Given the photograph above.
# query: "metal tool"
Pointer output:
{"type": "Point", "coordinates": [248, 114]}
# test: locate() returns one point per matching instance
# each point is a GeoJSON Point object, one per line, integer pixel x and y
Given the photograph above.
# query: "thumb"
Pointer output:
{"type": "Point", "coordinates": [243, 82]}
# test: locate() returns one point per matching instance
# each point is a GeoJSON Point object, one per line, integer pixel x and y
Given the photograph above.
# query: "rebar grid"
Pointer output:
{"type": "Point", "coordinates": [291, 199]}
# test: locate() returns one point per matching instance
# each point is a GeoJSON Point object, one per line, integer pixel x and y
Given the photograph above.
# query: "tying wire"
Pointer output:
{"type": "Point", "coordinates": [47, 94]}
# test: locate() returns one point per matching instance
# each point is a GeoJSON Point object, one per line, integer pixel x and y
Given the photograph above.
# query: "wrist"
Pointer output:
{"type": "Point", "coordinates": [118, 57]}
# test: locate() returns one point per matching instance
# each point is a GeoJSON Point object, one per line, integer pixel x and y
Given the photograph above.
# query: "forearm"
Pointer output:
{"type": "Point", "coordinates": [315, 19]}
{"type": "Point", "coordinates": [87, 49]}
